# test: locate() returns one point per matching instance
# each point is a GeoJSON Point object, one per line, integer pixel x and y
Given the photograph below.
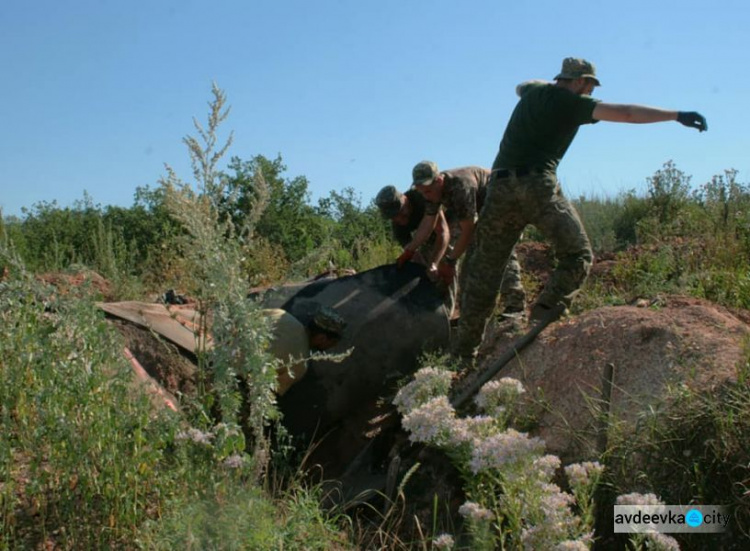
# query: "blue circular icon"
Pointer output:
{"type": "Point", "coordinates": [694, 518]}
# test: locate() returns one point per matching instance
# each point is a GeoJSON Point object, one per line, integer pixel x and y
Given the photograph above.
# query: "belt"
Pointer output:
{"type": "Point", "coordinates": [517, 172]}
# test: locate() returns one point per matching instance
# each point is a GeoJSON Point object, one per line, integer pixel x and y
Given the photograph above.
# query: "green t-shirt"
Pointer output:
{"type": "Point", "coordinates": [542, 127]}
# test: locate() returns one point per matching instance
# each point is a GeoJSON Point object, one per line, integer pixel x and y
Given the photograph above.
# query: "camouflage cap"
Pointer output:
{"type": "Point", "coordinates": [573, 68]}
{"type": "Point", "coordinates": [424, 173]}
{"type": "Point", "coordinates": [388, 200]}
{"type": "Point", "coordinates": [329, 320]}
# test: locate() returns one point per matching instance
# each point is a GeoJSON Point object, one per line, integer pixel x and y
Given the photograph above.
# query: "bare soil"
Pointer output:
{"type": "Point", "coordinates": [672, 341]}
{"type": "Point", "coordinates": [65, 283]}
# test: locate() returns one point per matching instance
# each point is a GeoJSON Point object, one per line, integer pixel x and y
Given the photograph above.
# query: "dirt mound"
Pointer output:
{"type": "Point", "coordinates": [67, 283]}
{"type": "Point", "coordinates": [673, 341]}
{"type": "Point", "coordinates": [174, 368]}
{"type": "Point", "coordinates": [537, 261]}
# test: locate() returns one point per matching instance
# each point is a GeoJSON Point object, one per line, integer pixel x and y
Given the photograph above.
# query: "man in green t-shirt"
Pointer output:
{"type": "Point", "coordinates": [524, 190]}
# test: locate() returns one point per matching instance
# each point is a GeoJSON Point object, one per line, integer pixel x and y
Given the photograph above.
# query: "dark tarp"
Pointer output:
{"type": "Point", "coordinates": [393, 315]}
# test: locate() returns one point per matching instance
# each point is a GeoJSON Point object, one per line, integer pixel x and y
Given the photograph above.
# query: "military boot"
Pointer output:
{"type": "Point", "coordinates": [541, 313]}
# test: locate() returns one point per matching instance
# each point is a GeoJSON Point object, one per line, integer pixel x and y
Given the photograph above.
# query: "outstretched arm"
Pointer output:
{"type": "Point", "coordinates": [641, 114]}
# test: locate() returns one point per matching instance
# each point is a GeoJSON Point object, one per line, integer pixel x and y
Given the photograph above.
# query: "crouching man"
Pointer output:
{"type": "Point", "coordinates": [405, 211]}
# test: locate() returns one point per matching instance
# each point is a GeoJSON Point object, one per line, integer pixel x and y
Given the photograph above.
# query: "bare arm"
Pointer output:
{"type": "Point", "coordinates": [639, 114]}
{"type": "Point", "coordinates": [426, 226]}
{"type": "Point", "coordinates": [467, 232]}
{"type": "Point", "coordinates": [442, 237]}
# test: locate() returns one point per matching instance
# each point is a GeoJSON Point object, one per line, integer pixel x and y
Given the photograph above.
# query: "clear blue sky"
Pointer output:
{"type": "Point", "coordinates": [97, 95]}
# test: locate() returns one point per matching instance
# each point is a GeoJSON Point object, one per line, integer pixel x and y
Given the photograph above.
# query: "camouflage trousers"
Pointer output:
{"type": "Point", "coordinates": [512, 295]}
{"type": "Point", "coordinates": [512, 203]}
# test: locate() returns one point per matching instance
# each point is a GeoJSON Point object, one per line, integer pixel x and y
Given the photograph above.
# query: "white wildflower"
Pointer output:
{"type": "Point", "coordinates": [547, 465]}
{"type": "Point", "coordinates": [195, 435]}
{"type": "Point", "coordinates": [428, 382]}
{"type": "Point", "coordinates": [536, 537]}
{"type": "Point", "coordinates": [580, 475]}
{"type": "Point", "coordinates": [430, 423]}
{"type": "Point", "coordinates": [501, 450]}
{"type": "Point", "coordinates": [227, 430]}
{"type": "Point", "coordinates": [572, 545]}
{"type": "Point", "coordinates": [466, 430]}
{"type": "Point", "coordinates": [234, 461]}
{"type": "Point", "coordinates": [495, 395]}
{"type": "Point", "coordinates": [556, 520]}
{"type": "Point", "coordinates": [555, 501]}
{"type": "Point", "coordinates": [475, 512]}
{"type": "Point", "coordinates": [443, 541]}
{"type": "Point", "coordinates": [662, 542]}
{"type": "Point", "coordinates": [638, 499]}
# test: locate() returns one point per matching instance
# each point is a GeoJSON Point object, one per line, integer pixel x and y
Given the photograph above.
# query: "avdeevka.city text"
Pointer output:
{"type": "Point", "coordinates": [668, 517]}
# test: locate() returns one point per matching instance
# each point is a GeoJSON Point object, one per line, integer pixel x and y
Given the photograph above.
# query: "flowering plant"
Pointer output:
{"type": "Point", "coordinates": [508, 478]}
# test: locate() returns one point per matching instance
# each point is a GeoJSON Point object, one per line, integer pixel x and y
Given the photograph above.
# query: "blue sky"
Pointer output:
{"type": "Point", "coordinates": [97, 95]}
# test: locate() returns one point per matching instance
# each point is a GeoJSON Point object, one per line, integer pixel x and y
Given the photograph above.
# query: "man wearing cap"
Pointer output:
{"type": "Point", "coordinates": [524, 190]}
{"type": "Point", "coordinates": [460, 192]}
{"type": "Point", "coordinates": [292, 342]}
{"type": "Point", "coordinates": [405, 211]}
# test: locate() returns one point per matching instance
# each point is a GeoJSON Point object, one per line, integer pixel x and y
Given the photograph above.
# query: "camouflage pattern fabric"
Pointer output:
{"type": "Point", "coordinates": [574, 67]}
{"type": "Point", "coordinates": [464, 190]}
{"type": "Point", "coordinates": [464, 193]}
{"type": "Point", "coordinates": [512, 295]}
{"type": "Point", "coordinates": [329, 320]}
{"type": "Point", "coordinates": [511, 204]}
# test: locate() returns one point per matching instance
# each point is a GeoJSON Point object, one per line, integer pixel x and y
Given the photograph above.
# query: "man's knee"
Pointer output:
{"type": "Point", "coordinates": [576, 253]}
{"type": "Point", "coordinates": [577, 264]}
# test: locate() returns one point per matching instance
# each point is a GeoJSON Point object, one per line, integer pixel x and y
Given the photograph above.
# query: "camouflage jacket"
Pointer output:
{"type": "Point", "coordinates": [464, 190]}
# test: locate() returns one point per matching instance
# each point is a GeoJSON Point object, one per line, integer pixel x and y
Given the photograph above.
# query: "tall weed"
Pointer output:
{"type": "Point", "coordinates": [82, 449]}
{"type": "Point", "coordinates": [237, 370]}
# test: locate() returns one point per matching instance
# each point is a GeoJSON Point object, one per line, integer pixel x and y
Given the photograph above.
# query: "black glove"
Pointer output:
{"type": "Point", "coordinates": [692, 119]}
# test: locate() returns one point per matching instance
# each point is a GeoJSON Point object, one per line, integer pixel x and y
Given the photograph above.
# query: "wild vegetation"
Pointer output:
{"type": "Point", "coordinates": [87, 461]}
